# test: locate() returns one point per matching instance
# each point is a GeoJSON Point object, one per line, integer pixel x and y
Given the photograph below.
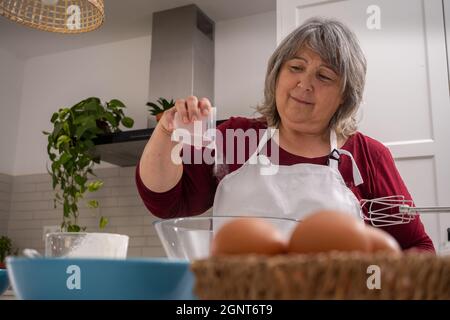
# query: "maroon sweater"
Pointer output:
{"type": "Point", "coordinates": [194, 193]}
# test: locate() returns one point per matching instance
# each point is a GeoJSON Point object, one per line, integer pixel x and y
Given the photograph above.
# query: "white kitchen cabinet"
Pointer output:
{"type": "Point", "coordinates": [406, 101]}
{"type": "Point", "coordinates": [447, 32]}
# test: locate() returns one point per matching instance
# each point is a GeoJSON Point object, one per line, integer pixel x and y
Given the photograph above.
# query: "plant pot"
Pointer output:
{"type": "Point", "coordinates": [2, 265]}
{"type": "Point", "coordinates": [86, 245]}
{"type": "Point", "coordinates": [158, 116]}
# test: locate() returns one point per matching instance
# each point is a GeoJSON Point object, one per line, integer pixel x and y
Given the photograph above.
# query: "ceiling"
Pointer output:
{"type": "Point", "coordinates": [124, 20]}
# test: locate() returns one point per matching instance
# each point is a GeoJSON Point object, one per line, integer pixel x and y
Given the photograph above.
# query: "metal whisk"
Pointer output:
{"type": "Point", "coordinates": [393, 210]}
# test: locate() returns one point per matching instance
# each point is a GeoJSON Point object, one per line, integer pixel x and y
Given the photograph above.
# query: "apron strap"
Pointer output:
{"type": "Point", "coordinates": [333, 158]}
{"type": "Point", "coordinates": [357, 178]}
{"type": "Point", "coordinates": [335, 155]}
{"type": "Point", "coordinates": [268, 134]}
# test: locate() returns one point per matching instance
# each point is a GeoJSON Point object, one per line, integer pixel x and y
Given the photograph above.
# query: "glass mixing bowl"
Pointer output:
{"type": "Point", "coordinates": [190, 238]}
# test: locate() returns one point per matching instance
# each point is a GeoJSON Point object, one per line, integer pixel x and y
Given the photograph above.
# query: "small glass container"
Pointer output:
{"type": "Point", "coordinates": [199, 133]}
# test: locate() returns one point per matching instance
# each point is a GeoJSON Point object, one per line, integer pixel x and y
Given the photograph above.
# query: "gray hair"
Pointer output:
{"type": "Point", "coordinates": [338, 46]}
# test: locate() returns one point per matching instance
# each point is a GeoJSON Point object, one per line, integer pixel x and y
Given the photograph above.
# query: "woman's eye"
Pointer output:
{"type": "Point", "coordinates": [324, 77]}
{"type": "Point", "coordinates": [296, 68]}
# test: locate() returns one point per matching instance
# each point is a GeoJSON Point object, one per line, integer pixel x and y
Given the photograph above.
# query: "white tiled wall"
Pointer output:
{"type": "Point", "coordinates": [31, 208]}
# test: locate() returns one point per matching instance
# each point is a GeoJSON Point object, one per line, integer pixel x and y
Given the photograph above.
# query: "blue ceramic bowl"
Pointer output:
{"type": "Point", "coordinates": [100, 279]}
{"type": "Point", "coordinates": [4, 282]}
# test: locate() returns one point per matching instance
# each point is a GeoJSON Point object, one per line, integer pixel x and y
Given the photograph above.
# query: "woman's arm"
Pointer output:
{"type": "Point", "coordinates": [167, 187]}
{"type": "Point", "coordinates": [158, 171]}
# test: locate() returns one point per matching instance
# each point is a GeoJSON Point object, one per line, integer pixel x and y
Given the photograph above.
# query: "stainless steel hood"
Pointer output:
{"type": "Point", "coordinates": [182, 54]}
{"type": "Point", "coordinates": [182, 64]}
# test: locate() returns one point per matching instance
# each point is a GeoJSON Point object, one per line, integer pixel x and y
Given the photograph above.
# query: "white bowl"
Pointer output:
{"type": "Point", "coordinates": [86, 245]}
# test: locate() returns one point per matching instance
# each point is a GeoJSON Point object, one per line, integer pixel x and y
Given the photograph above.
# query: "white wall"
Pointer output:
{"type": "Point", "coordinates": [121, 70]}
{"type": "Point", "coordinates": [115, 70]}
{"type": "Point", "coordinates": [243, 47]}
{"type": "Point", "coordinates": [11, 80]}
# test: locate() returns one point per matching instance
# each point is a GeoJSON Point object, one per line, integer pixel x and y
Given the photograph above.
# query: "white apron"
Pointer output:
{"type": "Point", "coordinates": [293, 192]}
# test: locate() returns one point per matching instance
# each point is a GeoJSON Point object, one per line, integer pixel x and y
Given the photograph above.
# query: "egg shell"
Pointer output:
{"type": "Point", "coordinates": [248, 236]}
{"type": "Point", "coordinates": [380, 240]}
{"type": "Point", "coordinates": [329, 230]}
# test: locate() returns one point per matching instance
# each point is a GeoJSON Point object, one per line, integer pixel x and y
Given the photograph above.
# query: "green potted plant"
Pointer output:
{"type": "Point", "coordinates": [157, 110]}
{"type": "Point", "coordinates": [5, 250]}
{"type": "Point", "coordinates": [68, 148]}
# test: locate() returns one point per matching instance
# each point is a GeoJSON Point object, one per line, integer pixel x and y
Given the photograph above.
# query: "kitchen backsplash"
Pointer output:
{"type": "Point", "coordinates": [31, 208]}
{"type": "Point", "coordinates": [5, 202]}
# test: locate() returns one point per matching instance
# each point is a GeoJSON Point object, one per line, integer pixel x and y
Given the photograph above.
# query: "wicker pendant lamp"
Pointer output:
{"type": "Point", "coordinates": [63, 16]}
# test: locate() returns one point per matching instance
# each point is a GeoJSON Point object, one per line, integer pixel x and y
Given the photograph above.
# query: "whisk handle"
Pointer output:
{"type": "Point", "coordinates": [408, 209]}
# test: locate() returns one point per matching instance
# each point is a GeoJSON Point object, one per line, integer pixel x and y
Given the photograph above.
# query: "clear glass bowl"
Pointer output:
{"type": "Point", "coordinates": [190, 238]}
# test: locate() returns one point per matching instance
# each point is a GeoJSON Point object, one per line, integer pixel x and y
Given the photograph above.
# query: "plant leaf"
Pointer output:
{"type": "Point", "coordinates": [127, 122]}
{"type": "Point", "coordinates": [54, 117]}
{"type": "Point", "coordinates": [73, 228]}
{"type": "Point", "coordinates": [103, 222]}
{"type": "Point", "coordinates": [111, 119]}
{"type": "Point", "coordinates": [65, 157]}
{"type": "Point", "coordinates": [115, 103]}
{"type": "Point", "coordinates": [66, 208]}
{"type": "Point", "coordinates": [94, 186]}
{"type": "Point", "coordinates": [80, 180]}
{"type": "Point", "coordinates": [92, 204]}
{"type": "Point", "coordinates": [62, 139]}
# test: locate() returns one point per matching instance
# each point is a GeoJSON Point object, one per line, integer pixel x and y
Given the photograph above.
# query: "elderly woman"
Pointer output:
{"type": "Point", "coordinates": [313, 89]}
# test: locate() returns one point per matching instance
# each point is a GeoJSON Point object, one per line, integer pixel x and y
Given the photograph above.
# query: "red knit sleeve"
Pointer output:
{"type": "Point", "coordinates": [388, 182]}
{"type": "Point", "coordinates": [192, 195]}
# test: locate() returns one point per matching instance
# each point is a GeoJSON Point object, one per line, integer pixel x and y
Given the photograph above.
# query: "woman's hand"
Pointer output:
{"type": "Point", "coordinates": [189, 110]}
{"type": "Point", "coordinates": [158, 170]}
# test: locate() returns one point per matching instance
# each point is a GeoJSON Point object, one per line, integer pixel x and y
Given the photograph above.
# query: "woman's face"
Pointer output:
{"type": "Point", "coordinates": [307, 93]}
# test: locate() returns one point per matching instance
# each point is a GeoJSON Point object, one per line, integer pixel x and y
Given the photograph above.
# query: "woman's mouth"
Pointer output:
{"type": "Point", "coordinates": [303, 102]}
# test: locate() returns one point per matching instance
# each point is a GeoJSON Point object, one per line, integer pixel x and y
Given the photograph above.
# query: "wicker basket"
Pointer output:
{"type": "Point", "coordinates": [323, 276]}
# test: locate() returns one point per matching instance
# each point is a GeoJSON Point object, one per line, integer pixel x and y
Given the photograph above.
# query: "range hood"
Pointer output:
{"type": "Point", "coordinates": [182, 64]}
{"type": "Point", "coordinates": [182, 60]}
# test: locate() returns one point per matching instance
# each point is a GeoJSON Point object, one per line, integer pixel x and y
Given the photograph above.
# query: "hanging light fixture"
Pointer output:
{"type": "Point", "coordinates": [63, 16]}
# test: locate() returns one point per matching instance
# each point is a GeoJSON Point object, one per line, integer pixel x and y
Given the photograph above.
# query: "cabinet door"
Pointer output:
{"type": "Point", "coordinates": [406, 101]}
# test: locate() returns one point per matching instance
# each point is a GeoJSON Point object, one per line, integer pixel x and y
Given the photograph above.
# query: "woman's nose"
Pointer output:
{"type": "Point", "coordinates": [305, 83]}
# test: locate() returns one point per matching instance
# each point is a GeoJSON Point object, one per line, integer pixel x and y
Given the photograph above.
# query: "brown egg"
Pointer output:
{"type": "Point", "coordinates": [248, 235]}
{"type": "Point", "coordinates": [380, 240]}
{"type": "Point", "coordinates": [329, 230]}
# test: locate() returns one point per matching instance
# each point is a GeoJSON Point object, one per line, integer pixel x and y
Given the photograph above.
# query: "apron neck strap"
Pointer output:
{"type": "Point", "coordinates": [335, 155]}
{"type": "Point", "coordinates": [268, 134]}
{"type": "Point", "coordinates": [333, 158]}
{"type": "Point", "coordinates": [333, 140]}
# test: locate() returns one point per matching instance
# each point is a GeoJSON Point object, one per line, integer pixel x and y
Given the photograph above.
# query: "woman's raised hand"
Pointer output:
{"type": "Point", "coordinates": [189, 110]}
